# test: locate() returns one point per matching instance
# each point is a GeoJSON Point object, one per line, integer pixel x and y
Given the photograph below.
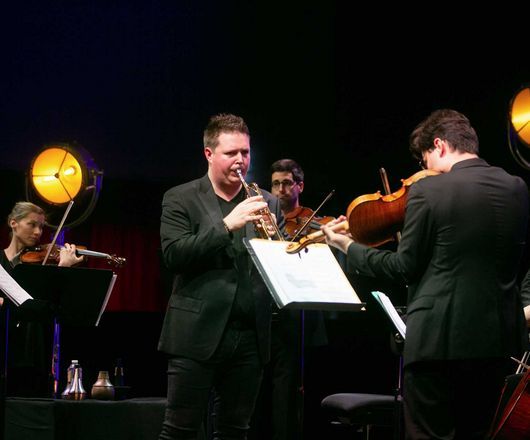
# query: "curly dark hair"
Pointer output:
{"type": "Point", "coordinates": [445, 124]}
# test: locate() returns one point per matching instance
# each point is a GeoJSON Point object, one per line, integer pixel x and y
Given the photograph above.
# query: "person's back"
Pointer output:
{"type": "Point", "coordinates": [479, 222]}
{"type": "Point", "coordinates": [460, 249]}
{"type": "Point", "coordinates": [487, 206]}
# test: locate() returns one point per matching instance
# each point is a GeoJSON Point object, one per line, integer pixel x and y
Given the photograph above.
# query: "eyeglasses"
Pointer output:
{"type": "Point", "coordinates": [423, 161]}
{"type": "Point", "coordinates": [287, 183]}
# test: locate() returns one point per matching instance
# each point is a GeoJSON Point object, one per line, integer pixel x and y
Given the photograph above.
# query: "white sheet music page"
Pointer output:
{"type": "Point", "coordinates": [12, 289]}
{"type": "Point", "coordinates": [312, 276]}
{"type": "Point", "coordinates": [391, 311]}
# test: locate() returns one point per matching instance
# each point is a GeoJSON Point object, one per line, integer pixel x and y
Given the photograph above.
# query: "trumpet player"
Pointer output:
{"type": "Point", "coordinates": [217, 324]}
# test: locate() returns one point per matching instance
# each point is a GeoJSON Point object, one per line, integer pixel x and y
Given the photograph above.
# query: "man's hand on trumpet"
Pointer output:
{"type": "Point", "coordinates": [245, 212]}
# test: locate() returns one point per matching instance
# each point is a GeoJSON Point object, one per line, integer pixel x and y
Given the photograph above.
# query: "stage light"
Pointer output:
{"type": "Point", "coordinates": [62, 173]}
{"type": "Point", "coordinates": [519, 127]}
{"type": "Point", "coordinates": [56, 175]}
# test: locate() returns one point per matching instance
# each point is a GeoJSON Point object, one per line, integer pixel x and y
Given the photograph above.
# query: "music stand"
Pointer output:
{"type": "Point", "coordinates": [78, 294]}
{"type": "Point", "coordinates": [311, 280]}
{"type": "Point", "coordinates": [71, 295]}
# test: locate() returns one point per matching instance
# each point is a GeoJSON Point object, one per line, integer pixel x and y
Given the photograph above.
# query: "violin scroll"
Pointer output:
{"type": "Point", "coordinates": [116, 261]}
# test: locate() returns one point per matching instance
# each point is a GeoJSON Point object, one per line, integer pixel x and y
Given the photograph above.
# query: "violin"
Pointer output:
{"type": "Point", "coordinates": [37, 254]}
{"type": "Point", "coordinates": [511, 421]}
{"type": "Point", "coordinates": [296, 219]}
{"type": "Point", "coordinates": [371, 219]}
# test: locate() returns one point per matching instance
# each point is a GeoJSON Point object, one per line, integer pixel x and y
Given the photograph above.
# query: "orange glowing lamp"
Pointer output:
{"type": "Point", "coordinates": [61, 174]}
{"type": "Point", "coordinates": [57, 175]}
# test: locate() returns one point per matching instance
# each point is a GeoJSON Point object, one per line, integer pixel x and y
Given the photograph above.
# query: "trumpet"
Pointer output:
{"type": "Point", "coordinates": [266, 226]}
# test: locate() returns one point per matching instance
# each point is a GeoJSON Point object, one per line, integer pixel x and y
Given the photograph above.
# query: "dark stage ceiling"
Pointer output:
{"type": "Point", "coordinates": [135, 82]}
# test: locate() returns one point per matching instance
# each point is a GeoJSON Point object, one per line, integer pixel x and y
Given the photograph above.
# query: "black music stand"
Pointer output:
{"type": "Point", "coordinates": [65, 295]}
{"type": "Point", "coordinates": [77, 295]}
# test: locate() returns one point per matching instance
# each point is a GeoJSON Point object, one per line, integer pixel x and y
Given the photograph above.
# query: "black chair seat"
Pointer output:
{"type": "Point", "coordinates": [361, 409]}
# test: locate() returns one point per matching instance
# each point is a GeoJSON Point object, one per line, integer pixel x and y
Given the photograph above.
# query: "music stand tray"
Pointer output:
{"type": "Point", "coordinates": [79, 295]}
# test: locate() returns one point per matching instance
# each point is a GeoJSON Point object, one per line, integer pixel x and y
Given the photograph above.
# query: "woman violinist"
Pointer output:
{"type": "Point", "coordinates": [27, 358]}
{"type": "Point", "coordinates": [26, 221]}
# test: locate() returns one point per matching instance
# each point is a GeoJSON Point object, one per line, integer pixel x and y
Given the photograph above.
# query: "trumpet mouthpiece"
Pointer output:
{"type": "Point", "coordinates": [240, 175]}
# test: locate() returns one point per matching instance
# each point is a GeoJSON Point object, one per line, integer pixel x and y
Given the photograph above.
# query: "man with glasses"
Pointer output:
{"type": "Point", "coordinates": [461, 245]}
{"type": "Point", "coordinates": [287, 183]}
{"type": "Point", "coordinates": [280, 407]}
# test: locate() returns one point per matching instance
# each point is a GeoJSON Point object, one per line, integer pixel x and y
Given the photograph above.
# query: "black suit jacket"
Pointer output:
{"type": "Point", "coordinates": [525, 289]}
{"type": "Point", "coordinates": [460, 251]}
{"type": "Point", "coordinates": [199, 251]}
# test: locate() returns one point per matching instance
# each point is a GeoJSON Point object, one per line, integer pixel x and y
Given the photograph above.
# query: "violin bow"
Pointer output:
{"type": "Point", "coordinates": [52, 244]}
{"type": "Point", "coordinates": [386, 187]}
{"type": "Point", "coordinates": [522, 362]}
{"type": "Point", "coordinates": [312, 216]}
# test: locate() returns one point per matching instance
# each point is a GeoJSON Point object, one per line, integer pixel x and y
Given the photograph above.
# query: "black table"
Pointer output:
{"type": "Point", "coordinates": [51, 419]}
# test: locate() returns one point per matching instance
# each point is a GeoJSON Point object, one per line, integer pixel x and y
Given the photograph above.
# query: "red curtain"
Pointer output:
{"type": "Point", "coordinates": [139, 286]}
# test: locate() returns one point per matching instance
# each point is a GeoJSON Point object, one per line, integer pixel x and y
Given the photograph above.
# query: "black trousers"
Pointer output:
{"type": "Point", "coordinates": [278, 413]}
{"type": "Point", "coordinates": [454, 399]}
{"type": "Point", "coordinates": [234, 372]}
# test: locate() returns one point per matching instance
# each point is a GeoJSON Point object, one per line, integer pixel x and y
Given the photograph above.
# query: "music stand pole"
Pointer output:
{"type": "Point", "coordinates": [302, 373]}
{"type": "Point", "coordinates": [399, 388]}
{"type": "Point", "coordinates": [55, 368]}
{"type": "Point", "coordinates": [56, 358]}
{"type": "Point", "coordinates": [4, 334]}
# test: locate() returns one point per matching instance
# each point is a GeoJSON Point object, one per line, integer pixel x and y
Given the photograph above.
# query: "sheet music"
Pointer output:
{"type": "Point", "coordinates": [312, 276]}
{"type": "Point", "coordinates": [12, 289]}
{"type": "Point", "coordinates": [107, 296]}
{"type": "Point", "coordinates": [391, 312]}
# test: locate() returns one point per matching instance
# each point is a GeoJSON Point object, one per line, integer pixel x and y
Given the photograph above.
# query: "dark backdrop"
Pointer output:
{"type": "Point", "coordinates": [134, 82]}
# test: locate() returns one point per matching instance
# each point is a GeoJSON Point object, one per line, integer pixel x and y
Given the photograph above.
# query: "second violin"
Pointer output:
{"type": "Point", "coordinates": [295, 222]}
